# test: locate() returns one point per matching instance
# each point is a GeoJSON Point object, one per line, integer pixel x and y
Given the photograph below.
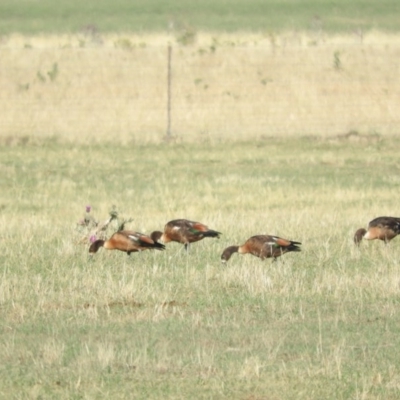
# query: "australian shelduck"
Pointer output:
{"type": "Point", "coordinates": [128, 241]}
{"type": "Point", "coordinates": [185, 232]}
{"type": "Point", "coordinates": [262, 246]}
{"type": "Point", "coordinates": [382, 228]}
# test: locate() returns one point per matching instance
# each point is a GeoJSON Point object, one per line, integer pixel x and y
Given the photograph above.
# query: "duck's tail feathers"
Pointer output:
{"type": "Point", "coordinates": [211, 233]}
{"type": "Point", "coordinates": [294, 246]}
{"type": "Point", "coordinates": [158, 246]}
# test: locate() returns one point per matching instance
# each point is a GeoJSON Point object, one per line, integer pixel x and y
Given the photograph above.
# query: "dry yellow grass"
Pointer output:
{"type": "Point", "coordinates": [81, 88]}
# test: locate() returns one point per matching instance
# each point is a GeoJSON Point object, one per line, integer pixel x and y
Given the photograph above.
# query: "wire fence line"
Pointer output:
{"type": "Point", "coordinates": [146, 93]}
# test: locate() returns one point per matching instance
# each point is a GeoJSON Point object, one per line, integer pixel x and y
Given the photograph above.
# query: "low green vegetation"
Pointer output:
{"type": "Point", "coordinates": [154, 15]}
{"type": "Point", "coordinates": [320, 324]}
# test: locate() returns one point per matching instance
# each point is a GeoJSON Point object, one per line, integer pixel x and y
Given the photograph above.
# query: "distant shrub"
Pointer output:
{"type": "Point", "coordinates": [186, 36]}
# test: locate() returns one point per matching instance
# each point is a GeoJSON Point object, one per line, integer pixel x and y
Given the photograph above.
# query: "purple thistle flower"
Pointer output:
{"type": "Point", "coordinates": [92, 238]}
{"type": "Point", "coordinates": [88, 208]}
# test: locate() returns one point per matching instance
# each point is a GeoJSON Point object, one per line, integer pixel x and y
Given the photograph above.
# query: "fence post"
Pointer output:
{"type": "Point", "coordinates": [169, 78]}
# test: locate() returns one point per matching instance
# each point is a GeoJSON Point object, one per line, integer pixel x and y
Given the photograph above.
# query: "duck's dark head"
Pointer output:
{"type": "Point", "coordinates": [358, 236]}
{"type": "Point", "coordinates": [227, 253]}
{"type": "Point", "coordinates": [94, 247]}
{"type": "Point", "coordinates": [156, 236]}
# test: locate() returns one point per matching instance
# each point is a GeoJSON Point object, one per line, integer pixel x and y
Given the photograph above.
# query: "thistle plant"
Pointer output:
{"type": "Point", "coordinates": [86, 225]}
{"type": "Point", "coordinates": [90, 229]}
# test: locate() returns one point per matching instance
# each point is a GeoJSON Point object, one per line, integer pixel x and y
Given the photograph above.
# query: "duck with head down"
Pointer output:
{"type": "Point", "coordinates": [184, 231]}
{"type": "Point", "coordinates": [382, 228]}
{"type": "Point", "coordinates": [262, 246]}
{"type": "Point", "coordinates": [127, 241]}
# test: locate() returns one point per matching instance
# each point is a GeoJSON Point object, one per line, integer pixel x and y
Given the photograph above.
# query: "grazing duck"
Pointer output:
{"type": "Point", "coordinates": [382, 228]}
{"type": "Point", "coordinates": [184, 231]}
{"type": "Point", "coordinates": [263, 246]}
{"type": "Point", "coordinates": [128, 241]}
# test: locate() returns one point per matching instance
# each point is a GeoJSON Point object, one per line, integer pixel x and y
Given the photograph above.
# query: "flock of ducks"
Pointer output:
{"type": "Point", "coordinates": [263, 246]}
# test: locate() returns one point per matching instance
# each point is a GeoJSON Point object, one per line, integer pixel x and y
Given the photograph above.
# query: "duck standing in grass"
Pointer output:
{"type": "Point", "coordinates": [382, 228]}
{"type": "Point", "coordinates": [128, 241]}
{"type": "Point", "coordinates": [184, 231]}
{"type": "Point", "coordinates": [263, 246]}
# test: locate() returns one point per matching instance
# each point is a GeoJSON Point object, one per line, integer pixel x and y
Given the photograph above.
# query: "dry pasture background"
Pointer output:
{"type": "Point", "coordinates": [113, 87]}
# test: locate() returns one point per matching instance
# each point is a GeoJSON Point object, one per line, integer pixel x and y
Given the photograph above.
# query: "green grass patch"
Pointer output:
{"type": "Point", "coordinates": [155, 15]}
{"type": "Point", "coordinates": [322, 323]}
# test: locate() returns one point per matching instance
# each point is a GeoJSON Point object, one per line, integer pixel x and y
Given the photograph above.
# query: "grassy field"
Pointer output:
{"type": "Point", "coordinates": [284, 121]}
{"type": "Point", "coordinates": [149, 15]}
{"type": "Point", "coordinates": [320, 324]}
{"type": "Point", "coordinates": [89, 88]}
